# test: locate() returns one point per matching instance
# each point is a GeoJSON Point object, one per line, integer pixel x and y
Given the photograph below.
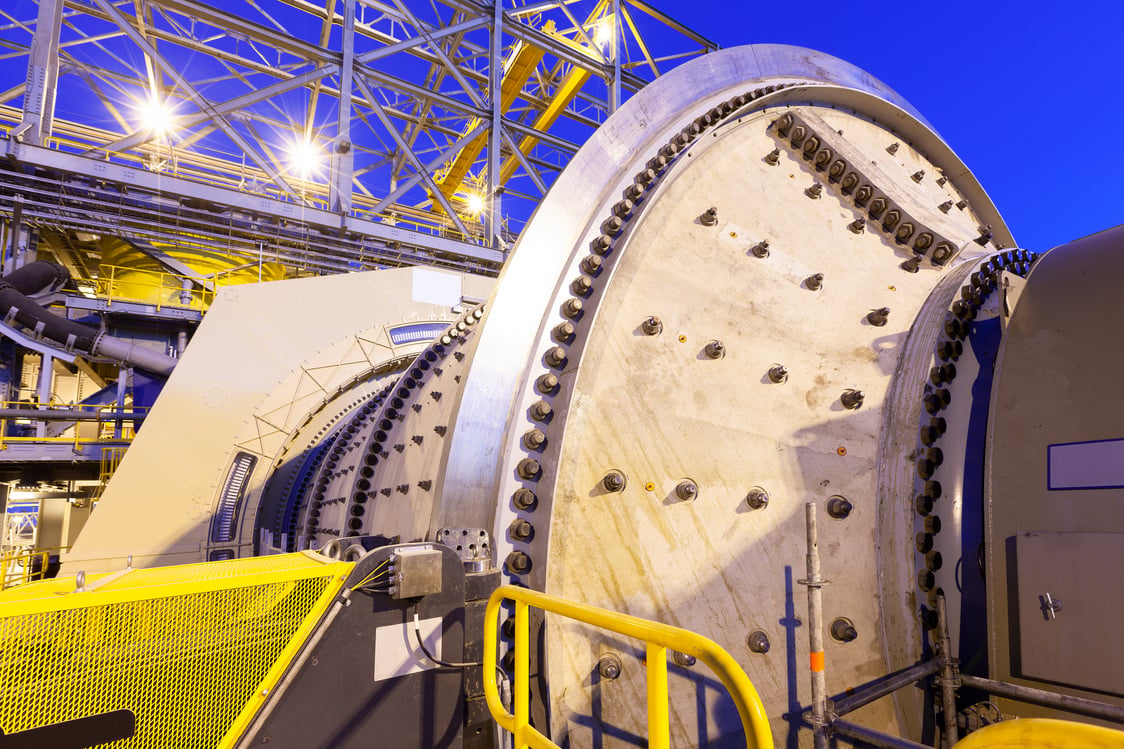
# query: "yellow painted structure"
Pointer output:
{"type": "Point", "coordinates": [517, 71]}
{"type": "Point", "coordinates": [127, 273]}
{"type": "Point", "coordinates": [657, 637]}
{"type": "Point", "coordinates": [1042, 733]}
{"type": "Point", "coordinates": [192, 650]}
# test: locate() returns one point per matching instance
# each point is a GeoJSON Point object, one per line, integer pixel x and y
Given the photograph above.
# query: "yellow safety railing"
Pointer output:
{"type": "Point", "coordinates": [1042, 733]}
{"type": "Point", "coordinates": [156, 287]}
{"type": "Point", "coordinates": [192, 650]}
{"type": "Point", "coordinates": [18, 567]}
{"type": "Point", "coordinates": [658, 638]}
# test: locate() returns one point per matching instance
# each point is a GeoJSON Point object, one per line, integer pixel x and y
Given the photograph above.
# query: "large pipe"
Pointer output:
{"type": "Point", "coordinates": [58, 414]}
{"type": "Point", "coordinates": [1076, 705]}
{"type": "Point", "coordinates": [40, 276]}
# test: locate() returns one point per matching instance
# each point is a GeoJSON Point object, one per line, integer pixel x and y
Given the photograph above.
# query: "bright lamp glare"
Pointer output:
{"type": "Point", "coordinates": [156, 116]}
{"type": "Point", "coordinates": [304, 157]}
{"type": "Point", "coordinates": [602, 33]}
{"type": "Point", "coordinates": [475, 203]}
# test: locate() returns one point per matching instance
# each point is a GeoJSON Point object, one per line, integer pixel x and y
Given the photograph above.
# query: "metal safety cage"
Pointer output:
{"type": "Point", "coordinates": [191, 650]}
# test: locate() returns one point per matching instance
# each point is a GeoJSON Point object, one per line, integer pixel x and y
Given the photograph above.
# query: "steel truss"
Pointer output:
{"type": "Point", "coordinates": [343, 135]}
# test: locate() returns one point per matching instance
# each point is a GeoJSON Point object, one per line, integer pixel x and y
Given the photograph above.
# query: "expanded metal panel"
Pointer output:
{"type": "Point", "coordinates": [185, 653]}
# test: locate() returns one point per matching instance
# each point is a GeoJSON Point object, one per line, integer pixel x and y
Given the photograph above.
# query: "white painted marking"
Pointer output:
{"type": "Point", "coordinates": [435, 287]}
{"type": "Point", "coordinates": [397, 652]}
{"type": "Point", "coordinates": [1086, 465]}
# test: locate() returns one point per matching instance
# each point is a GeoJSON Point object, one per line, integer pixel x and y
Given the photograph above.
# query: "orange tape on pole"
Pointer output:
{"type": "Point", "coordinates": [817, 660]}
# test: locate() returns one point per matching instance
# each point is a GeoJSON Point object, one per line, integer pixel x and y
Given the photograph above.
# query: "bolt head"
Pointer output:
{"type": "Point", "coordinates": [684, 660]}
{"type": "Point", "coordinates": [839, 507]}
{"type": "Point", "coordinates": [715, 350]}
{"type": "Point", "coordinates": [758, 641]}
{"type": "Point", "coordinates": [521, 529]}
{"type": "Point", "coordinates": [686, 490]}
{"type": "Point", "coordinates": [518, 562]}
{"type": "Point", "coordinates": [614, 481]}
{"type": "Point", "coordinates": [652, 326]}
{"type": "Point", "coordinates": [757, 499]}
{"type": "Point", "coordinates": [524, 499]}
{"type": "Point", "coordinates": [609, 666]}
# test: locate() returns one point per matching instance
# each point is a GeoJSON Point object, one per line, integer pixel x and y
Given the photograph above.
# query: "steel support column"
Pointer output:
{"type": "Point", "coordinates": [42, 74]}
{"type": "Point", "coordinates": [339, 181]}
{"type": "Point", "coordinates": [493, 202]}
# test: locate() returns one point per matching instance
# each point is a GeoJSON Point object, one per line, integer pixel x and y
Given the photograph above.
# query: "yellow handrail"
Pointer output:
{"type": "Point", "coordinates": [17, 568]}
{"type": "Point", "coordinates": [658, 638]}
{"type": "Point", "coordinates": [1042, 733]}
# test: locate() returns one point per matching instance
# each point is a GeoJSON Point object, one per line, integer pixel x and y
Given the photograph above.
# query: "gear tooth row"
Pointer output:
{"type": "Point", "coordinates": [949, 347]}
{"type": "Point", "coordinates": [881, 211]}
{"type": "Point", "coordinates": [392, 400]}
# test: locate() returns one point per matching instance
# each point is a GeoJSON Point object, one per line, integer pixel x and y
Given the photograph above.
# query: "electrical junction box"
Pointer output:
{"type": "Point", "coordinates": [415, 571]}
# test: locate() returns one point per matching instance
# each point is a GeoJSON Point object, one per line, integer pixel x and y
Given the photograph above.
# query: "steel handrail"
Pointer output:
{"type": "Point", "coordinates": [658, 638]}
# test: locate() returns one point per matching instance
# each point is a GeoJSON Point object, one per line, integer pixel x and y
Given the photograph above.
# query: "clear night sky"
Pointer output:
{"type": "Point", "coordinates": [1029, 94]}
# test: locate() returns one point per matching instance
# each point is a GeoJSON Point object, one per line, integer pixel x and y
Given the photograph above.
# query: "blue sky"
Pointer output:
{"type": "Point", "coordinates": [1029, 94]}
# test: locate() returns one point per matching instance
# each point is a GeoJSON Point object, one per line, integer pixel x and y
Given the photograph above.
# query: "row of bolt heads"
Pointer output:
{"type": "Point", "coordinates": [814, 282]}
{"type": "Point", "coordinates": [756, 499]}
{"type": "Point", "coordinates": [778, 373]}
{"type": "Point", "coordinates": [610, 666]}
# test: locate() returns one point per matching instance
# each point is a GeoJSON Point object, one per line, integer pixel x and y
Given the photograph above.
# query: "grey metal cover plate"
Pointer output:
{"type": "Point", "coordinates": [1076, 570]}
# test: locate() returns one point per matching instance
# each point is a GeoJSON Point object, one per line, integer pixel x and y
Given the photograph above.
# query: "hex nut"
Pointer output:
{"type": "Point", "coordinates": [524, 499]}
{"type": "Point", "coordinates": [521, 529]}
{"type": "Point", "coordinates": [518, 562]}
{"type": "Point", "coordinates": [528, 468]}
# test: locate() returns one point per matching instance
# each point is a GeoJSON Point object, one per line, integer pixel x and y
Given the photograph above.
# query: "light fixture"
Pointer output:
{"type": "Point", "coordinates": [475, 203]}
{"type": "Point", "coordinates": [304, 157]}
{"type": "Point", "coordinates": [603, 32]}
{"type": "Point", "coordinates": [156, 116]}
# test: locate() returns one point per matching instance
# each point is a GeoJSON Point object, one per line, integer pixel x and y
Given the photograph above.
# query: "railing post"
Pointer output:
{"type": "Point", "coordinates": [659, 719]}
{"type": "Point", "coordinates": [522, 696]}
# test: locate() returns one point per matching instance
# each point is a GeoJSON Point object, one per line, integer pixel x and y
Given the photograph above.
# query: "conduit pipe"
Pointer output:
{"type": "Point", "coordinates": [42, 276]}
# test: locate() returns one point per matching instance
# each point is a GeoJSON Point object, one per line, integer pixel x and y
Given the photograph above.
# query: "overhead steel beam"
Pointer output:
{"type": "Point", "coordinates": [168, 185]}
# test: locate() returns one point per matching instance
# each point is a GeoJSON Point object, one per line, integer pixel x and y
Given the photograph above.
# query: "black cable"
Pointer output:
{"type": "Point", "coordinates": [430, 656]}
